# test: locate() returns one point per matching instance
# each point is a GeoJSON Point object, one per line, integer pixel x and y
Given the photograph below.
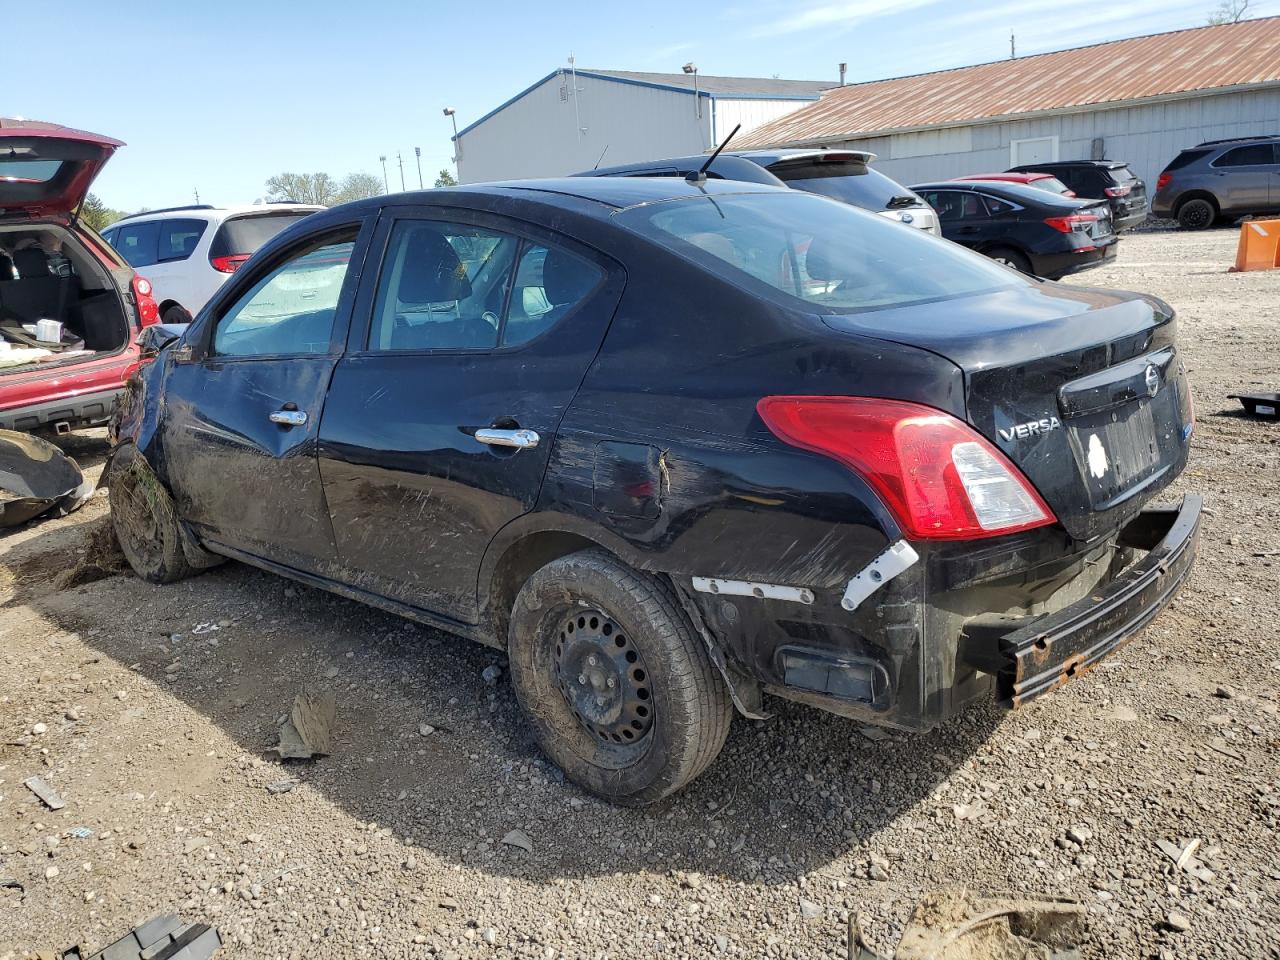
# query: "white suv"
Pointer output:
{"type": "Point", "coordinates": [189, 252]}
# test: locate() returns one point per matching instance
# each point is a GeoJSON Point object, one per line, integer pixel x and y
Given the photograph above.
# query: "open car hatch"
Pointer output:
{"type": "Point", "coordinates": [47, 169]}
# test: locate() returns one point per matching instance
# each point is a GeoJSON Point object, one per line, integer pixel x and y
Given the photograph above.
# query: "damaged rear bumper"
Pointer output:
{"type": "Point", "coordinates": [1045, 652]}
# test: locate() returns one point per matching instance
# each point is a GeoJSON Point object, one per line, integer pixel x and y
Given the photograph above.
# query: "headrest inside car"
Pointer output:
{"type": "Point", "coordinates": [432, 271]}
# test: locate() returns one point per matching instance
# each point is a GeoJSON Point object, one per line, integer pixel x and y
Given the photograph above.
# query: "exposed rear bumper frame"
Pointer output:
{"type": "Point", "coordinates": [1047, 651]}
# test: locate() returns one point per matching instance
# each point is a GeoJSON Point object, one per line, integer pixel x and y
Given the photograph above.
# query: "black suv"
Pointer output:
{"type": "Point", "coordinates": [1219, 181]}
{"type": "Point", "coordinates": [1109, 180]}
{"type": "Point", "coordinates": [671, 446]}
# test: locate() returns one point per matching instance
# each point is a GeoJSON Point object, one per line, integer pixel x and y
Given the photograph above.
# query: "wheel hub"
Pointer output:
{"type": "Point", "coordinates": [603, 678]}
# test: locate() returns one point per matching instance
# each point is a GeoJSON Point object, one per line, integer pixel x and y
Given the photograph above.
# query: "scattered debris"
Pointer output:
{"type": "Point", "coordinates": [810, 910]}
{"type": "Point", "coordinates": [518, 838]}
{"type": "Point", "coordinates": [161, 938]}
{"type": "Point", "coordinates": [45, 792]}
{"type": "Point", "coordinates": [11, 883]}
{"type": "Point", "coordinates": [969, 811]}
{"type": "Point", "coordinates": [307, 732]}
{"type": "Point", "coordinates": [1177, 922]}
{"type": "Point", "coordinates": [490, 674]}
{"type": "Point", "coordinates": [200, 629]}
{"type": "Point", "coordinates": [875, 734]}
{"type": "Point", "coordinates": [958, 925]}
{"type": "Point", "coordinates": [101, 558]}
{"type": "Point", "coordinates": [1184, 858]}
{"type": "Point", "coordinates": [37, 477]}
{"type": "Point", "coordinates": [281, 786]}
{"type": "Point", "coordinates": [1264, 405]}
{"type": "Point", "coordinates": [80, 833]}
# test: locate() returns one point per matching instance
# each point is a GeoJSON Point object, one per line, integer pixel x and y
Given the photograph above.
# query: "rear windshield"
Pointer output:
{"type": "Point", "coordinates": [29, 171]}
{"type": "Point", "coordinates": [1186, 158]}
{"type": "Point", "coordinates": [849, 181]}
{"type": "Point", "coordinates": [1122, 175]}
{"type": "Point", "coordinates": [1052, 184]}
{"type": "Point", "coordinates": [809, 249]}
{"type": "Point", "coordinates": [242, 236]}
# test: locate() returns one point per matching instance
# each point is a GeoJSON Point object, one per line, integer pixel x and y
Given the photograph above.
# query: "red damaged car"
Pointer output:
{"type": "Point", "coordinates": [70, 307]}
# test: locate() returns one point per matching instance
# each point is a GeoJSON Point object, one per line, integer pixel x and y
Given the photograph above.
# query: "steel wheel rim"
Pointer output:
{"type": "Point", "coordinates": [603, 678]}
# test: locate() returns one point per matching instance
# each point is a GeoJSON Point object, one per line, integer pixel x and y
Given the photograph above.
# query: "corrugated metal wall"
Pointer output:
{"type": "Point", "coordinates": [537, 135]}
{"type": "Point", "coordinates": [1148, 137]}
{"type": "Point", "coordinates": [750, 113]}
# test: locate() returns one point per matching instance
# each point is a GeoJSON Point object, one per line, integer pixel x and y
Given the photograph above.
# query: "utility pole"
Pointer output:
{"type": "Point", "coordinates": [197, 192]}
{"type": "Point", "coordinates": [417, 153]}
{"type": "Point", "coordinates": [383, 160]}
{"type": "Point", "coordinates": [1013, 47]}
{"type": "Point", "coordinates": [400, 160]}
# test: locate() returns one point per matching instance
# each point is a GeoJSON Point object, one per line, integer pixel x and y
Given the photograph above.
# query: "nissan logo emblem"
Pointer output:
{"type": "Point", "coordinates": [1153, 380]}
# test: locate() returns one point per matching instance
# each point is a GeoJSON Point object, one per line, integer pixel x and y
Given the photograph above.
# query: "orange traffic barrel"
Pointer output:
{"type": "Point", "coordinates": [1259, 247]}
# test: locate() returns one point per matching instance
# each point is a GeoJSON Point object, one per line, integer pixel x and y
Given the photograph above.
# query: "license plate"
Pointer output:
{"type": "Point", "coordinates": [1118, 449]}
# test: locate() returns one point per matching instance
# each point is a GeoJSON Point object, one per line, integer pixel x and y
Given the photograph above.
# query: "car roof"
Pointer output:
{"type": "Point", "coordinates": [1017, 192]}
{"type": "Point", "coordinates": [211, 212]}
{"type": "Point", "coordinates": [611, 193]}
{"type": "Point", "coordinates": [1057, 164]}
{"type": "Point", "coordinates": [1014, 177]}
{"type": "Point", "coordinates": [767, 157]}
{"type": "Point", "coordinates": [1233, 141]}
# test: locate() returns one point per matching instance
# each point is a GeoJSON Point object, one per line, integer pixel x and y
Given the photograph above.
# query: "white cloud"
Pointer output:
{"type": "Point", "coordinates": [840, 16]}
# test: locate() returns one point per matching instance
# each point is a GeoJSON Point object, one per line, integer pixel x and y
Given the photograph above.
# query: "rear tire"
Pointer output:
{"type": "Point", "coordinates": [145, 520]}
{"type": "Point", "coordinates": [619, 689]}
{"type": "Point", "coordinates": [175, 314]}
{"type": "Point", "coordinates": [1197, 214]}
{"type": "Point", "coordinates": [1011, 258]}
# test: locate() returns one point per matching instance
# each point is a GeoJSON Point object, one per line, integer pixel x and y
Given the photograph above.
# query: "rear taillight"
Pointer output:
{"type": "Point", "coordinates": [1117, 192]}
{"type": "Point", "coordinates": [228, 264]}
{"type": "Point", "coordinates": [939, 478]}
{"type": "Point", "coordinates": [148, 311]}
{"type": "Point", "coordinates": [1164, 180]}
{"type": "Point", "coordinates": [1075, 223]}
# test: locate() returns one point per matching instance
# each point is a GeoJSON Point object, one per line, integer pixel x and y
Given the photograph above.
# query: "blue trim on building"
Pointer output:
{"type": "Point", "coordinates": [670, 88]}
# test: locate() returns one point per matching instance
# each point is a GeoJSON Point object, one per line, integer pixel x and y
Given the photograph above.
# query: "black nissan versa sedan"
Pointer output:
{"type": "Point", "coordinates": [672, 446]}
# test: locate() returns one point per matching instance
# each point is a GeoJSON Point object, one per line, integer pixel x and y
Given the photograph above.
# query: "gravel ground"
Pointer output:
{"type": "Point", "coordinates": [150, 709]}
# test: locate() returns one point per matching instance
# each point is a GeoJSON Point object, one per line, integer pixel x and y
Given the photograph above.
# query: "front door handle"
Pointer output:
{"type": "Point", "coordinates": [520, 439]}
{"type": "Point", "coordinates": [289, 418]}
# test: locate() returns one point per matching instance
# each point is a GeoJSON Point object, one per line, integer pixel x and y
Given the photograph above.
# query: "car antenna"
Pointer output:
{"type": "Point", "coordinates": [602, 153]}
{"type": "Point", "coordinates": [701, 175]}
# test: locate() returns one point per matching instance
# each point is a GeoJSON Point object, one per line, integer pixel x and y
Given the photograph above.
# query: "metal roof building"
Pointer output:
{"type": "Point", "coordinates": [564, 122]}
{"type": "Point", "coordinates": [1141, 100]}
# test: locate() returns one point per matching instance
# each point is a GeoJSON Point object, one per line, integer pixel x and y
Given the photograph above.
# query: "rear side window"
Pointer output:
{"type": "Point", "coordinates": [449, 286]}
{"type": "Point", "coordinates": [997, 208]}
{"type": "Point", "coordinates": [852, 182]}
{"type": "Point", "coordinates": [137, 242]}
{"type": "Point", "coordinates": [242, 236]}
{"type": "Point", "coordinates": [178, 239]}
{"type": "Point", "coordinates": [955, 205]}
{"type": "Point", "coordinates": [1251, 155]}
{"type": "Point", "coordinates": [1186, 158]}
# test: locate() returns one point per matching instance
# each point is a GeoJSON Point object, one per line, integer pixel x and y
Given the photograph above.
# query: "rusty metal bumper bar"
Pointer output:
{"type": "Point", "coordinates": [1052, 649]}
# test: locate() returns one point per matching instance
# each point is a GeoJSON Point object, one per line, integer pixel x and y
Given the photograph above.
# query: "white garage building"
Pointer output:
{"type": "Point", "coordinates": [564, 123]}
{"type": "Point", "coordinates": [1140, 100]}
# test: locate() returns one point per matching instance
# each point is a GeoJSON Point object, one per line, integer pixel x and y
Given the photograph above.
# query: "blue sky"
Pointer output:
{"type": "Point", "coordinates": [222, 95]}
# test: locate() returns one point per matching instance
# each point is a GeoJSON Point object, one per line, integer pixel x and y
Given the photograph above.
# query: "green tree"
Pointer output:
{"type": "Point", "coordinates": [358, 186]}
{"type": "Point", "coordinates": [96, 214]}
{"type": "Point", "coordinates": [445, 179]}
{"type": "Point", "coordinates": [316, 188]}
{"type": "Point", "coordinates": [1229, 11]}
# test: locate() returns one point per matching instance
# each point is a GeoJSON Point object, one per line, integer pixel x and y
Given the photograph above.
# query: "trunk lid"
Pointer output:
{"type": "Point", "coordinates": [46, 169]}
{"type": "Point", "coordinates": [1082, 389]}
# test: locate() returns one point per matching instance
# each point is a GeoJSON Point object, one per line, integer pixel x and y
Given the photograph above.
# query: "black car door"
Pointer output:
{"type": "Point", "coordinates": [243, 409]}
{"type": "Point", "coordinates": [963, 217]}
{"type": "Point", "coordinates": [469, 343]}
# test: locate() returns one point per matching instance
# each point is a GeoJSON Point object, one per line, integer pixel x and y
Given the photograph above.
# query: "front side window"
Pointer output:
{"type": "Point", "coordinates": [815, 251]}
{"type": "Point", "coordinates": [1252, 155]}
{"type": "Point", "coordinates": [291, 309]}
{"type": "Point", "coordinates": [137, 243]}
{"type": "Point", "coordinates": [450, 286]}
{"type": "Point", "coordinates": [178, 238]}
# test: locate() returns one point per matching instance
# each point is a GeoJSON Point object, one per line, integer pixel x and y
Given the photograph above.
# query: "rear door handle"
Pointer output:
{"type": "Point", "coordinates": [520, 439]}
{"type": "Point", "coordinates": [289, 418]}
